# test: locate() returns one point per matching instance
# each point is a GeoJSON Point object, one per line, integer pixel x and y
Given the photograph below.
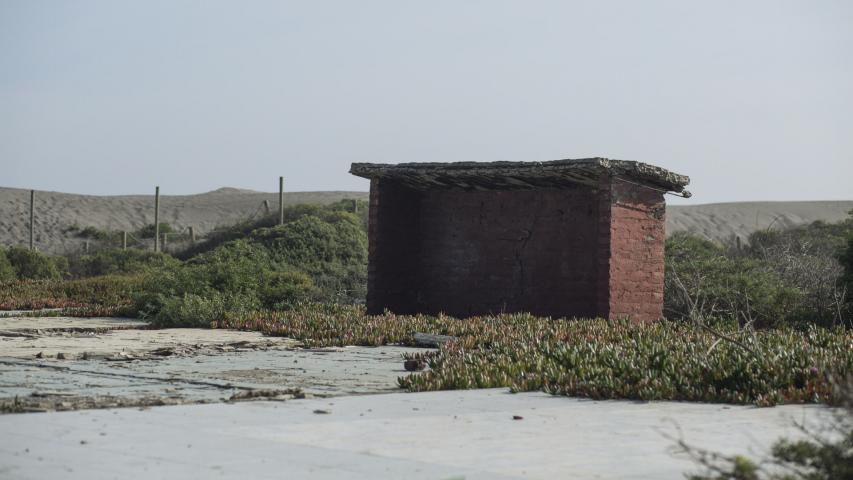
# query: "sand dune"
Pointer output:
{"type": "Point", "coordinates": [722, 221]}
{"type": "Point", "coordinates": [55, 212]}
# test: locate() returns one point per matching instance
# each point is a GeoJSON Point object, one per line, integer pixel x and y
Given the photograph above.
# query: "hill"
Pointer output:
{"type": "Point", "coordinates": [55, 212]}
{"type": "Point", "coordinates": [722, 221]}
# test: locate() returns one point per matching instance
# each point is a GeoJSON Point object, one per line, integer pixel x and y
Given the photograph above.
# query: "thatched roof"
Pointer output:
{"type": "Point", "coordinates": [521, 175]}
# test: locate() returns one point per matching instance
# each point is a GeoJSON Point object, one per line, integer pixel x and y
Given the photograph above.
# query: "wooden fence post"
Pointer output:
{"type": "Point", "coordinates": [192, 235]}
{"type": "Point", "coordinates": [354, 205]}
{"type": "Point", "coordinates": [124, 240]}
{"type": "Point", "coordinates": [281, 200]}
{"type": "Point", "coordinates": [157, 219]}
{"type": "Point", "coordinates": [32, 219]}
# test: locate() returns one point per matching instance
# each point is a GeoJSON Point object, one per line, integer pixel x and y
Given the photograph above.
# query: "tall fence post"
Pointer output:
{"type": "Point", "coordinates": [157, 219]}
{"type": "Point", "coordinates": [192, 234]}
{"type": "Point", "coordinates": [32, 219]}
{"type": "Point", "coordinates": [354, 205]}
{"type": "Point", "coordinates": [124, 240]}
{"type": "Point", "coordinates": [281, 200]}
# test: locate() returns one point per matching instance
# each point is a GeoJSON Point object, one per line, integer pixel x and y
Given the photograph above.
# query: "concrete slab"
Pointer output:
{"type": "Point", "coordinates": [118, 338]}
{"type": "Point", "coordinates": [438, 435]}
{"type": "Point", "coordinates": [201, 377]}
{"type": "Point", "coordinates": [26, 313]}
{"type": "Point", "coordinates": [63, 363]}
{"type": "Point", "coordinates": [48, 324]}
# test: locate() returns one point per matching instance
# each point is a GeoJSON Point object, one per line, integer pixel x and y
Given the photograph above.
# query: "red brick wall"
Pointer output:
{"type": "Point", "coordinates": [571, 252]}
{"type": "Point", "coordinates": [636, 264]}
{"type": "Point", "coordinates": [467, 253]}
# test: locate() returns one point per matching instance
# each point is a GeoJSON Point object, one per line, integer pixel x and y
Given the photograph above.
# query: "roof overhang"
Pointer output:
{"type": "Point", "coordinates": [522, 175]}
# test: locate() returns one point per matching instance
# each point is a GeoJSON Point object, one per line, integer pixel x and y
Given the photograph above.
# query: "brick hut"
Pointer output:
{"type": "Point", "coordinates": [565, 238]}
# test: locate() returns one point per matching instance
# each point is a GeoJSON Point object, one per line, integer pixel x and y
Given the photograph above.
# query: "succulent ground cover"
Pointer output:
{"type": "Point", "coordinates": [592, 358]}
{"type": "Point", "coordinates": [106, 292]}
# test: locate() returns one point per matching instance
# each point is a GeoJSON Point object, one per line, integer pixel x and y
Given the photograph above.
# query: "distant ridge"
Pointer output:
{"type": "Point", "coordinates": [723, 221]}
{"type": "Point", "coordinates": [229, 191]}
{"type": "Point", "coordinates": [55, 212]}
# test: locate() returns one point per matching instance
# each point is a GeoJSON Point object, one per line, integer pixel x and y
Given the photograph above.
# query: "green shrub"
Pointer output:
{"type": "Point", "coordinates": [94, 233]}
{"type": "Point", "coordinates": [806, 258]}
{"type": "Point", "coordinates": [292, 213]}
{"type": "Point", "coordinates": [191, 310]}
{"type": "Point", "coordinates": [816, 238]}
{"type": "Point", "coordinates": [703, 282]}
{"type": "Point", "coordinates": [34, 265]}
{"type": "Point", "coordinates": [239, 275]}
{"type": "Point", "coordinates": [282, 290]}
{"type": "Point", "coordinates": [7, 272]}
{"type": "Point", "coordinates": [121, 262]}
{"type": "Point", "coordinates": [332, 249]}
{"type": "Point", "coordinates": [846, 259]}
{"type": "Point", "coordinates": [148, 230]}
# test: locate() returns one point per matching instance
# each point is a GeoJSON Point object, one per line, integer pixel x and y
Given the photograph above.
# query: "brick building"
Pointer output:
{"type": "Point", "coordinates": [566, 238]}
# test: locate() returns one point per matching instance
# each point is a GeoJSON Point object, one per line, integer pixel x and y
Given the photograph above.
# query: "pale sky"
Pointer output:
{"type": "Point", "coordinates": [752, 99]}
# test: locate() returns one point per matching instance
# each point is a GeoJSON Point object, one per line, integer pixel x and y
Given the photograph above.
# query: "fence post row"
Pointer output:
{"type": "Point", "coordinates": [281, 200]}
{"type": "Point", "coordinates": [32, 219]}
{"type": "Point", "coordinates": [157, 219]}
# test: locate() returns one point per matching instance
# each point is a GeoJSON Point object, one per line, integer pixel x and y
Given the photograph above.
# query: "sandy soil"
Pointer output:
{"type": "Point", "coordinates": [722, 221]}
{"type": "Point", "coordinates": [55, 212]}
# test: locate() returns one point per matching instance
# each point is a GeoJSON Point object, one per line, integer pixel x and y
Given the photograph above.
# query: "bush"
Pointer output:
{"type": "Point", "coordinates": [331, 249]}
{"type": "Point", "coordinates": [7, 272]}
{"type": "Point", "coordinates": [292, 213]}
{"type": "Point", "coordinates": [846, 259]}
{"type": "Point", "coordinates": [807, 258]}
{"type": "Point", "coordinates": [148, 230]}
{"type": "Point", "coordinates": [193, 310]}
{"type": "Point", "coordinates": [93, 233]}
{"type": "Point", "coordinates": [282, 290]}
{"type": "Point", "coordinates": [238, 276]}
{"type": "Point", "coordinates": [319, 255]}
{"type": "Point", "coordinates": [121, 262]}
{"type": "Point", "coordinates": [34, 265]}
{"type": "Point", "coordinates": [702, 282]}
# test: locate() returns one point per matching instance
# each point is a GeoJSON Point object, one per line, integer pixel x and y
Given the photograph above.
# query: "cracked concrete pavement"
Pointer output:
{"type": "Point", "coordinates": [61, 363]}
